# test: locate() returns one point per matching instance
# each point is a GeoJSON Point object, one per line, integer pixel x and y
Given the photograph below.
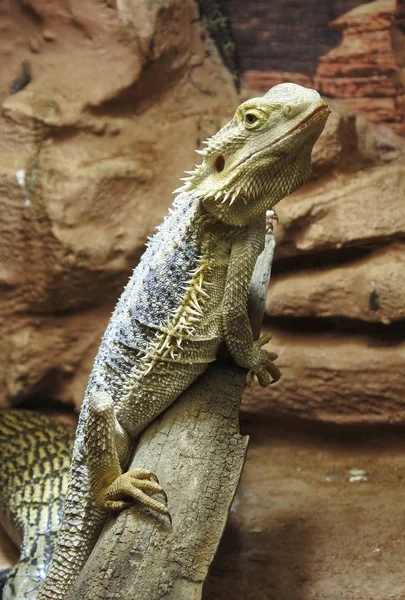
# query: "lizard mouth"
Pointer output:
{"type": "Point", "coordinates": [309, 118]}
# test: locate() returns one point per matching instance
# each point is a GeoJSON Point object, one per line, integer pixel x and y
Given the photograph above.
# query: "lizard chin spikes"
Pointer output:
{"type": "Point", "coordinates": [227, 197]}
{"type": "Point", "coordinates": [187, 180]}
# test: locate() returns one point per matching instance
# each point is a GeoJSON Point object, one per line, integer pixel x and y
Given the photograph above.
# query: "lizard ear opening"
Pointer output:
{"type": "Point", "coordinates": [220, 163]}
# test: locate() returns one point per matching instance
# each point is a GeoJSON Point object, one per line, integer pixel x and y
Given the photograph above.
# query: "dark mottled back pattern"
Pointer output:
{"type": "Point", "coordinates": [152, 296]}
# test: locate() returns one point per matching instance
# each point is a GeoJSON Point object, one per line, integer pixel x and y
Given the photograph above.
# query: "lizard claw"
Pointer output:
{"type": "Point", "coordinates": [264, 339]}
{"type": "Point", "coordinates": [135, 486]}
{"type": "Point", "coordinates": [271, 368]}
{"type": "Point", "coordinates": [268, 373]}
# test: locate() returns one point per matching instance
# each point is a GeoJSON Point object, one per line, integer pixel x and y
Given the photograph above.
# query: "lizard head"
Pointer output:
{"type": "Point", "coordinates": [260, 156]}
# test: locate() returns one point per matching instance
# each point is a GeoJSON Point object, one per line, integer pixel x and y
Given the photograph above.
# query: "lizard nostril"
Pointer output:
{"type": "Point", "coordinates": [220, 163]}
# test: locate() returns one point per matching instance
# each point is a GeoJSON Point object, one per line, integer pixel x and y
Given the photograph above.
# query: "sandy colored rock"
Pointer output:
{"type": "Point", "coordinates": [369, 289]}
{"type": "Point", "coordinates": [336, 376]}
{"type": "Point", "coordinates": [346, 209]}
{"type": "Point", "coordinates": [52, 356]}
{"type": "Point", "coordinates": [90, 150]}
{"type": "Point", "coordinates": [349, 142]}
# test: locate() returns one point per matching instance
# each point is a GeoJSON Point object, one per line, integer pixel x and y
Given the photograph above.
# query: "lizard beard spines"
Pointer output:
{"type": "Point", "coordinates": [225, 196]}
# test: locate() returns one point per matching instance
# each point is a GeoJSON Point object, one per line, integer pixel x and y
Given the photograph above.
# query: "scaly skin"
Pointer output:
{"type": "Point", "coordinates": [187, 295]}
{"type": "Point", "coordinates": [35, 459]}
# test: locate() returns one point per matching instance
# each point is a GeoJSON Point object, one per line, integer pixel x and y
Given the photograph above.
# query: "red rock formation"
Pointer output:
{"type": "Point", "coordinates": [363, 71]}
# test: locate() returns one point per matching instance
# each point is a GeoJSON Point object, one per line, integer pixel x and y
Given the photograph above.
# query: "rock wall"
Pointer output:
{"type": "Point", "coordinates": [90, 151]}
{"type": "Point", "coordinates": [363, 71]}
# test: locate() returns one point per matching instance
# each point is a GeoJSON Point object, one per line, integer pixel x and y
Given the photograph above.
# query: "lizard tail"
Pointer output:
{"type": "Point", "coordinates": [81, 525]}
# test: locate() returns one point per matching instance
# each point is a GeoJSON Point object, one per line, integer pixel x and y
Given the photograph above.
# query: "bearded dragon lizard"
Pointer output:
{"type": "Point", "coordinates": [187, 295]}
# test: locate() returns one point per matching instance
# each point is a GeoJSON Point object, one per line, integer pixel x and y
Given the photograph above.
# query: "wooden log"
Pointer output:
{"type": "Point", "coordinates": [197, 452]}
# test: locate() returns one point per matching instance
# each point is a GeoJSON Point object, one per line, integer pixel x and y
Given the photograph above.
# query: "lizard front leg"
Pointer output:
{"type": "Point", "coordinates": [236, 327]}
{"type": "Point", "coordinates": [108, 451]}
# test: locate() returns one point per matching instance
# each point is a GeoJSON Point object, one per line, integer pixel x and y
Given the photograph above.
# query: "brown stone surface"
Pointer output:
{"type": "Point", "coordinates": [335, 375]}
{"type": "Point", "coordinates": [284, 36]}
{"type": "Point", "coordinates": [368, 289]}
{"type": "Point", "coordinates": [263, 80]}
{"type": "Point", "coordinates": [350, 143]}
{"type": "Point", "coordinates": [90, 152]}
{"type": "Point", "coordinates": [343, 210]}
{"type": "Point", "coordinates": [302, 527]}
{"type": "Point", "coordinates": [8, 552]}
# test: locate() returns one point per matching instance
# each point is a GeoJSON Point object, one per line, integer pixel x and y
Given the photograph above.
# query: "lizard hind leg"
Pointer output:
{"type": "Point", "coordinates": [108, 448]}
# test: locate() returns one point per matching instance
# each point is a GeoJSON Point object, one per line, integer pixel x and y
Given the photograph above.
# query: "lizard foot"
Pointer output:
{"type": "Point", "coordinates": [268, 372]}
{"type": "Point", "coordinates": [135, 486]}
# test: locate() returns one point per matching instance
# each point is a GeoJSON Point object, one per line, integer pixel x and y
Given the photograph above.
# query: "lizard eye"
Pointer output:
{"type": "Point", "coordinates": [250, 118]}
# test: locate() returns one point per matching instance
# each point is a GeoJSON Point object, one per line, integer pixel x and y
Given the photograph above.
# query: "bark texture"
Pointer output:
{"type": "Point", "coordinates": [197, 453]}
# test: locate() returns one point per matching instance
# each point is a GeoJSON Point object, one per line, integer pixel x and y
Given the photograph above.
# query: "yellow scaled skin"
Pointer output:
{"type": "Point", "coordinates": [203, 256]}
